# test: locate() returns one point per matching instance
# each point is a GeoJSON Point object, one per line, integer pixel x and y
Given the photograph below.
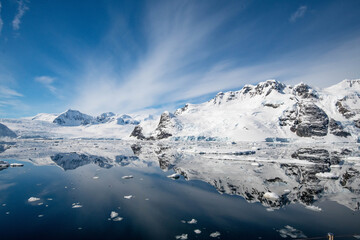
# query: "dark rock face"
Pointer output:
{"type": "Point", "coordinates": [344, 110]}
{"type": "Point", "coordinates": [167, 122]}
{"type": "Point", "coordinates": [269, 86]}
{"type": "Point", "coordinates": [310, 121]}
{"type": "Point", "coordinates": [304, 91]}
{"type": "Point", "coordinates": [312, 155]}
{"type": "Point", "coordinates": [6, 132]}
{"type": "Point", "coordinates": [320, 155]}
{"type": "Point", "coordinates": [137, 132]}
{"type": "Point", "coordinates": [337, 129]}
{"type": "Point", "coordinates": [273, 105]}
{"type": "Point", "coordinates": [349, 177]}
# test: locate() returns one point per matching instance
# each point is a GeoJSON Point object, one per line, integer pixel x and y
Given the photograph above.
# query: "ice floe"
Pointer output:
{"type": "Point", "coordinates": [314, 208]}
{"type": "Point", "coordinates": [127, 177]}
{"type": "Point", "coordinates": [197, 231]}
{"type": "Point", "coordinates": [215, 234]}
{"type": "Point", "coordinates": [192, 221]}
{"type": "Point", "coordinates": [174, 176]}
{"type": "Point", "coordinates": [289, 231]}
{"type": "Point", "coordinates": [33, 199]}
{"type": "Point", "coordinates": [128, 197]}
{"type": "Point", "coordinates": [182, 236]}
{"type": "Point", "coordinates": [76, 205]}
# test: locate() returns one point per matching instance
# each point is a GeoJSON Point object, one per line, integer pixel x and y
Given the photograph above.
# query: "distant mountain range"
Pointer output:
{"type": "Point", "coordinates": [269, 111]}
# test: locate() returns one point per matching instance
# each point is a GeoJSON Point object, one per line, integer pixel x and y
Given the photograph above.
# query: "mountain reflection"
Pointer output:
{"type": "Point", "coordinates": [285, 173]}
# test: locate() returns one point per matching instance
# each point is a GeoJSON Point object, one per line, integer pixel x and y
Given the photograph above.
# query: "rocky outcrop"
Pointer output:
{"type": "Point", "coordinates": [6, 132]}
{"type": "Point", "coordinates": [167, 125]}
{"type": "Point", "coordinates": [310, 121]}
{"type": "Point", "coordinates": [304, 91]}
{"type": "Point", "coordinates": [138, 133]}
{"type": "Point", "coordinates": [337, 129]}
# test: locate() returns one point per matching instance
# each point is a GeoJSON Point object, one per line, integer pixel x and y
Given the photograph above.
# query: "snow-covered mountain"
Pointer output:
{"type": "Point", "coordinates": [73, 118]}
{"type": "Point", "coordinates": [6, 132]}
{"type": "Point", "coordinates": [268, 110]}
{"type": "Point", "coordinates": [74, 124]}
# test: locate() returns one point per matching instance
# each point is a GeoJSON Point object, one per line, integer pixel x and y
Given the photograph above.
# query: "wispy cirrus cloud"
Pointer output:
{"type": "Point", "coordinates": [179, 63]}
{"type": "Point", "coordinates": [47, 81]}
{"type": "Point", "coordinates": [300, 12]}
{"type": "Point", "coordinates": [22, 8]}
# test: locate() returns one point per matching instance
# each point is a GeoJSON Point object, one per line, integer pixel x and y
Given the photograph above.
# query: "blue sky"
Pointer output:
{"type": "Point", "coordinates": [131, 56]}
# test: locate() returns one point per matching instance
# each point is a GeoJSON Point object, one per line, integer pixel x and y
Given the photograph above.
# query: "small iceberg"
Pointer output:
{"type": "Point", "coordinates": [174, 176]}
{"type": "Point", "coordinates": [182, 236]}
{"type": "Point", "coordinates": [33, 199]}
{"type": "Point", "coordinates": [192, 221]}
{"type": "Point", "coordinates": [313, 208]}
{"type": "Point", "coordinates": [114, 216]}
{"type": "Point", "coordinates": [215, 234]}
{"type": "Point", "coordinates": [76, 205]}
{"type": "Point", "coordinates": [197, 231]}
{"type": "Point", "coordinates": [127, 177]}
{"type": "Point", "coordinates": [128, 197]}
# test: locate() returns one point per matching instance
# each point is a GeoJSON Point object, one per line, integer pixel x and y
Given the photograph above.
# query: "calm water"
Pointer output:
{"type": "Point", "coordinates": [160, 207]}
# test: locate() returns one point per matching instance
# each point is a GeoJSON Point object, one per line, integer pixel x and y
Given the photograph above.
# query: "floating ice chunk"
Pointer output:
{"type": "Point", "coordinates": [289, 231]}
{"type": "Point", "coordinates": [96, 177]}
{"type": "Point", "coordinates": [40, 216]}
{"type": "Point", "coordinates": [40, 203]}
{"type": "Point", "coordinates": [49, 199]}
{"type": "Point", "coordinates": [76, 205]}
{"type": "Point", "coordinates": [356, 236]}
{"type": "Point", "coordinates": [127, 177]}
{"type": "Point", "coordinates": [314, 208]}
{"type": "Point", "coordinates": [16, 165]}
{"type": "Point", "coordinates": [7, 213]}
{"type": "Point", "coordinates": [113, 214]}
{"type": "Point", "coordinates": [117, 219]}
{"type": "Point", "coordinates": [182, 236]}
{"type": "Point", "coordinates": [79, 228]}
{"type": "Point", "coordinates": [174, 176]}
{"type": "Point", "coordinates": [183, 221]}
{"type": "Point", "coordinates": [192, 221]}
{"type": "Point", "coordinates": [215, 234]}
{"type": "Point", "coordinates": [128, 197]}
{"type": "Point", "coordinates": [197, 231]}
{"type": "Point", "coordinates": [33, 199]}
{"type": "Point", "coordinates": [287, 191]}
{"type": "Point", "coordinates": [269, 209]}
{"type": "Point", "coordinates": [4, 204]}
{"type": "Point", "coordinates": [271, 196]}
{"type": "Point", "coordinates": [327, 175]}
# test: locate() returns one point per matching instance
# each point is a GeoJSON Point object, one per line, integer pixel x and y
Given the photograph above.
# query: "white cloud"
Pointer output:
{"type": "Point", "coordinates": [47, 82]}
{"type": "Point", "coordinates": [300, 12]}
{"type": "Point", "coordinates": [6, 92]}
{"type": "Point", "coordinates": [169, 73]}
{"type": "Point", "coordinates": [22, 8]}
{"type": "Point", "coordinates": [1, 21]}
